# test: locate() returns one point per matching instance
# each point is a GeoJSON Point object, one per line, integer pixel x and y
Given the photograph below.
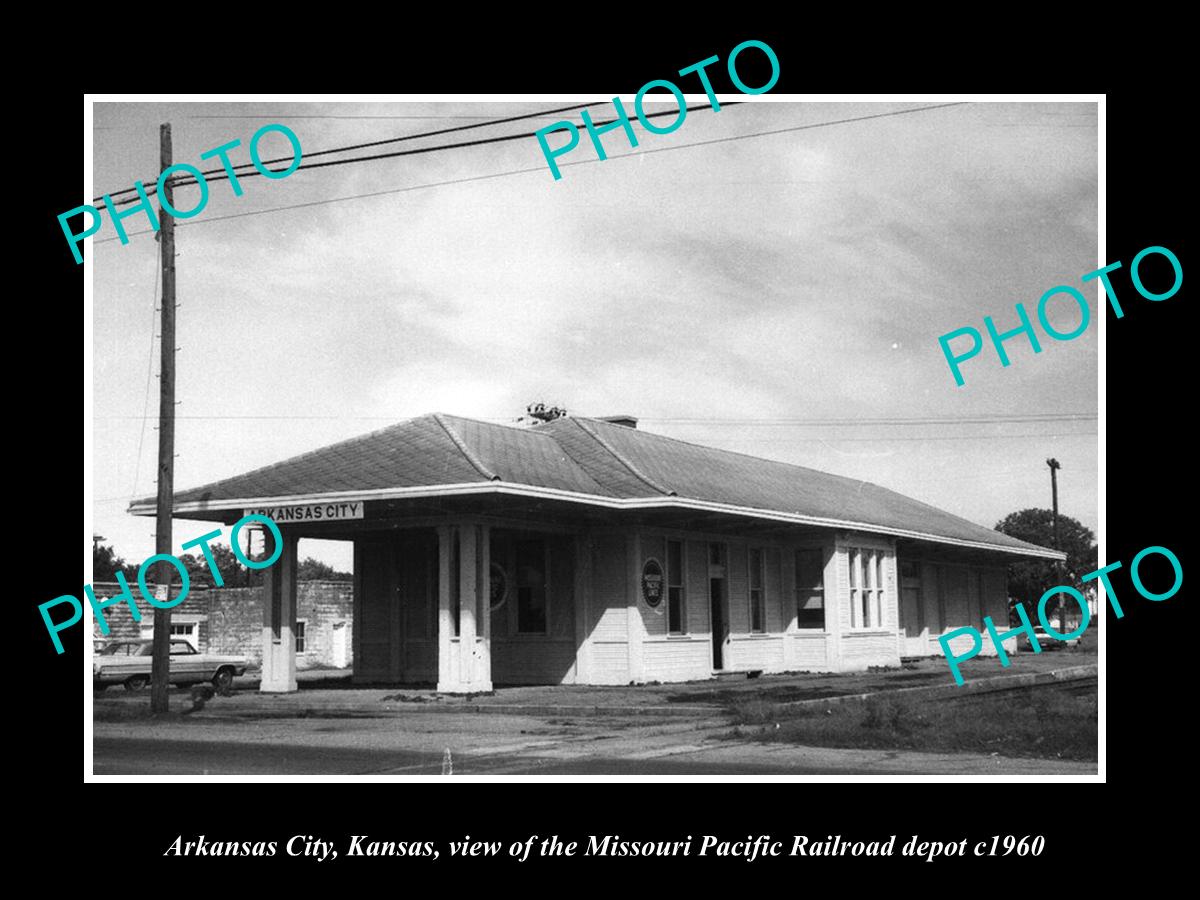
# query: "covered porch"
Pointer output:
{"type": "Point", "coordinates": [455, 602]}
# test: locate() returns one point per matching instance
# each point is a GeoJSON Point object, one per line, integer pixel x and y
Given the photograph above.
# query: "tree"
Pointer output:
{"type": "Point", "coordinates": [105, 562]}
{"type": "Point", "coordinates": [315, 570]}
{"type": "Point", "coordinates": [233, 573]}
{"type": "Point", "coordinates": [1028, 581]}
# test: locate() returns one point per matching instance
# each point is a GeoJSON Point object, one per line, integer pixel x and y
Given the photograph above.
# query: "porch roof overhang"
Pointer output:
{"type": "Point", "coordinates": [650, 509]}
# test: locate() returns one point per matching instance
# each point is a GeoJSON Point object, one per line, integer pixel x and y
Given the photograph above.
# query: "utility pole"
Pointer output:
{"type": "Point", "coordinates": [160, 681]}
{"type": "Point", "coordinates": [1055, 465]}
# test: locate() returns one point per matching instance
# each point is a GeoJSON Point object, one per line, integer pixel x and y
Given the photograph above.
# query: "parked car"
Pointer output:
{"type": "Point", "coordinates": [128, 663]}
{"type": "Point", "coordinates": [1046, 641]}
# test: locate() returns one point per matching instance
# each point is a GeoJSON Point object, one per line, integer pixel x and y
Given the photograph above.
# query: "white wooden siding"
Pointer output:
{"type": "Point", "coordinates": [608, 634]}
{"type": "Point", "coordinates": [810, 652]}
{"type": "Point", "coordinates": [750, 652]}
{"type": "Point", "coordinates": [677, 659]}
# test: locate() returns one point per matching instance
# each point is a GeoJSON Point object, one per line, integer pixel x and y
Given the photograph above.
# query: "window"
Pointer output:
{"type": "Point", "coordinates": [810, 589]}
{"type": "Point", "coordinates": [455, 599]}
{"type": "Point", "coordinates": [179, 631]}
{"type": "Point", "coordinates": [757, 605]}
{"type": "Point", "coordinates": [531, 587]}
{"type": "Point", "coordinates": [300, 629]}
{"type": "Point", "coordinates": [866, 587]}
{"type": "Point", "coordinates": [675, 597]}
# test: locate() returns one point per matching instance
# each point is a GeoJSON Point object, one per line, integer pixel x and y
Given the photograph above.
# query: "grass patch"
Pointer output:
{"type": "Point", "coordinates": [1045, 723]}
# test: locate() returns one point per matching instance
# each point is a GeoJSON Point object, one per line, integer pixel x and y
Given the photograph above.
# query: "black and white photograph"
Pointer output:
{"type": "Point", "coordinates": [735, 434]}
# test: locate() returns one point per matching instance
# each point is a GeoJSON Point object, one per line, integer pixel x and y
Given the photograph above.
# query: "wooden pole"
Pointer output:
{"type": "Point", "coordinates": [160, 664]}
{"type": "Point", "coordinates": [1058, 568]}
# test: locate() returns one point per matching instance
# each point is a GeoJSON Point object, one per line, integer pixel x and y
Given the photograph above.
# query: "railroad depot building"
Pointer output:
{"type": "Point", "coordinates": [588, 551]}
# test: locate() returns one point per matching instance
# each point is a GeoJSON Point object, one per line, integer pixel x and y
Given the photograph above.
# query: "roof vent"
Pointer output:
{"type": "Point", "coordinates": [627, 421]}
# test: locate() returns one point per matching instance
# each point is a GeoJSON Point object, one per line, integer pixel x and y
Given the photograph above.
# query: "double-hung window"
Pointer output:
{"type": "Point", "coordinates": [758, 606]}
{"type": "Point", "coordinates": [676, 609]}
{"type": "Point", "coordinates": [866, 587]}
{"type": "Point", "coordinates": [810, 589]}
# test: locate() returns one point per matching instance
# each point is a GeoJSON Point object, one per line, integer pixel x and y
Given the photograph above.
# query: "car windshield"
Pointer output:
{"type": "Point", "coordinates": [125, 649]}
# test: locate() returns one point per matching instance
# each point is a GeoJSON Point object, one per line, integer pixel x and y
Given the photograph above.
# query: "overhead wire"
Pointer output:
{"type": "Point", "coordinates": [530, 169]}
{"type": "Point", "coordinates": [887, 439]}
{"type": "Point", "coordinates": [184, 182]}
{"type": "Point", "coordinates": [379, 143]}
{"type": "Point", "coordinates": [1034, 418]}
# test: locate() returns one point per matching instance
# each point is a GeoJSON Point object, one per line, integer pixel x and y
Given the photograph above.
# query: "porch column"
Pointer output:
{"type": "Point", "coordinates": [635, 629]}
{"type": "Point", "coordinates": [446, 646]}
{"type": "Point", "coordinates": [837, 602]}
{"type": "Point", "coordinates": [468, 584]}
{"type": "Point", "coordinates": [464, 662]}
{"type": "Point", "coordinates": [787, 604]}
{"type": "Point", "coordinates": [279, 618]}
{"type": "Point", "coordinates": [483, 618]}
{"type": "Point", "coordinates": [583, 588]}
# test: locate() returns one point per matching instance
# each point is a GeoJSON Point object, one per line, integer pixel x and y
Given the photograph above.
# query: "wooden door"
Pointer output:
{"type": "Point", "coordinates": [379, 649]}
{"type": "Point", "coordinates": [912, 625]}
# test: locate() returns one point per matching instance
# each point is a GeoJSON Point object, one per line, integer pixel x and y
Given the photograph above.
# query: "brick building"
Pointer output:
{"type": "Point", "coordinates": [230, 621]}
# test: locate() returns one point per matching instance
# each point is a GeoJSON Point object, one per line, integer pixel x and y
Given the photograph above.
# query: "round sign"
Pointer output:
{"type": "Point", "coordinates": [652, 583]}
{"type": "Point", "coordinates": [499, 586]}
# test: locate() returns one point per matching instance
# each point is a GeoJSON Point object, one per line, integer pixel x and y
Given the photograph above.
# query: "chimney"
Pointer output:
{"type": "Point", "coordinates": [627, 421]}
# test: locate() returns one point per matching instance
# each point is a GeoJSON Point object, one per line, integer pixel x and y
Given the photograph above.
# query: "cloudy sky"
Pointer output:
{"type": "Point", "coordinates": [732, 293]}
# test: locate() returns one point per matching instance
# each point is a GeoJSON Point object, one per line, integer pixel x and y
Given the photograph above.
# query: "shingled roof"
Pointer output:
{"type": "Point", "coordinates": [587, 461]}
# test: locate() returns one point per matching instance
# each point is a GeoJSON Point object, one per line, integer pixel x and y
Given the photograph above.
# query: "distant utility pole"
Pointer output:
{"type": "Point", "coordinates": [160, 680]}
{"type": "Point", "coordinates": [1055, 465]}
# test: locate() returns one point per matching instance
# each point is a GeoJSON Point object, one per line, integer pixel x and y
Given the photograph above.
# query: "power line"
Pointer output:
{"type": "Point", "coordinates": [184, 182]}
{"type": "Point", "coordinates": [298, 116]}
{"type": "Point", "coordinates": [379, 143]}
{"type": "Point", "coordinates": [893, 420]}
{"type": "Point", "coordinates": [581, 162]}
{"type": "Point", "coordinates": [887, 439]}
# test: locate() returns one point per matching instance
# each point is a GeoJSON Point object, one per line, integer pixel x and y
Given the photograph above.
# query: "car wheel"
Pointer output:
{"type": "Point", "coordinates": [223, 680]}
{"type": "Point", "coordinates": [136, 682]}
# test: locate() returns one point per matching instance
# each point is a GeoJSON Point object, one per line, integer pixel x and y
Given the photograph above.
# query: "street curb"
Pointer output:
{"type": "Point", "coordinates": [952, 691]}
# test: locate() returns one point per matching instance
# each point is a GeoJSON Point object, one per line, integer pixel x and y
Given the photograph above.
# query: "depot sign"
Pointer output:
{"type": "Point", "coordinates": [312, 512]}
